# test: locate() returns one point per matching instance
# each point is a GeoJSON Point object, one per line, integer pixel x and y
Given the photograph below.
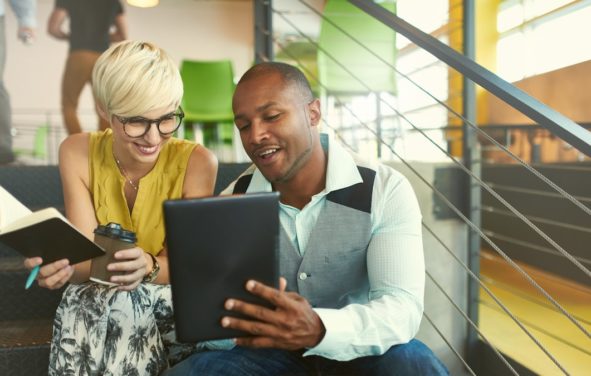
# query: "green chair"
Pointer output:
{"type": "Point", "coordinates": [207, 103]}
{"type": "Point", "coordinates": [39, 150]}
{"type": "Point", "coordinates": [377, 37]}
{"type": "Point", "coordinates": [302, 54]}
{"type": "Point", "coordinates": [340, 58]}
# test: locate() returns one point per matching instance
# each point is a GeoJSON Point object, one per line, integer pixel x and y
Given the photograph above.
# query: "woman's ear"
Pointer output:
{"type": "Point", "coordinates": [315, 114]}
{"type": "Point", "coordinates": [102, 113]}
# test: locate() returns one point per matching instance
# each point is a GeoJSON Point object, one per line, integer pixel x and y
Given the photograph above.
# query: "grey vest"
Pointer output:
{"type": "Point", "coordinates": [333, 271]}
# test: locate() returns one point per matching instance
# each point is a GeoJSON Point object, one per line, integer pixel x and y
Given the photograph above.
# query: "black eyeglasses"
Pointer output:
{"type": "Point", "coordinates": [137, 126]}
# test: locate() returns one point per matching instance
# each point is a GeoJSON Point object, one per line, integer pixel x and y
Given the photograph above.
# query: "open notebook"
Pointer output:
{"type": "Point", "coordinates": [45, 233]}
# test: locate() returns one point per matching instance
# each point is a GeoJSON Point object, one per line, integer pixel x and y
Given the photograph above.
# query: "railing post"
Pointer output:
{"type": "Point", "coordinates": [471, 156]}
{"type": "Point", "coordinates": [50, 142]}
{"type": "Point", "coordinates": [263, 31]}
{"type": "Point", "coordinates": [378, 124]}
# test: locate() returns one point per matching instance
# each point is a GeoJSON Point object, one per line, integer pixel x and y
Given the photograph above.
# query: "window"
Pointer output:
{"type": "Point", "coordinates": [536, 36]}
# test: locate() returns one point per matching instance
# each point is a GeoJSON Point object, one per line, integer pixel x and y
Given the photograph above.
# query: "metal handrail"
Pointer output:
{"type": "Point", "coordinates": [559, 124]}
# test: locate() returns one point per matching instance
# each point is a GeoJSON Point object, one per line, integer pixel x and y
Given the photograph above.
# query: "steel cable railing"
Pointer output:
{"type": "Point", "coordinates": [494, 297]}
{"type": "Point", "coordinates": [527, 244]}
{"type": "Point", "coordinates": [461, 166]}
{"type": "Point", "coordinates": [471, 323]}
{"type": "Point", "coordinates": [533, 191]}
{"type": "Point", "coordinates": [453, 349]}
{"type": "Point", "coordinates": [415, 172]}
{"type": "Point", "coordinates": [449, 298]}
{"type": "Point", "coordinates": [534, 218]}
{"type": "Point", "coordinates": [505, 309]}
{"type": "Point", "coordinates": [542, 330]}
{"type": "Point", "coordinates": [524, 296]}
{"type": "Point", "coordinates": [475, 228]}
{"type": "Point", "coordinates": [455, 113]}
{"type": "Point", "coordinates": [543, 115]}
{"type": "Point", "coordinates": [455, 209]}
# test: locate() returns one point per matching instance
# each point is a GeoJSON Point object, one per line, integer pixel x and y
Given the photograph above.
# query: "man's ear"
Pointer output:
{"type": "Point", "coordinates": [315, 113]}
{"type": "Point", "coordinates": [102, 113]}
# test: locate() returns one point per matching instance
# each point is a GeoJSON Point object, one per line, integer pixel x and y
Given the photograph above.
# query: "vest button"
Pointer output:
{"type": "Point", "coordinates": [303, 276]}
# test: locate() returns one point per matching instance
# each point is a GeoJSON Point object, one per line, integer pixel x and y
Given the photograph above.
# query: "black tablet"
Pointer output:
{"type": "Point", "coordinates": [215, 245]}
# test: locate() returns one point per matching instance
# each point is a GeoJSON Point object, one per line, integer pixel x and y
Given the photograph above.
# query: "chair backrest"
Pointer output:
{"type": "Point", "coordinates": [304, 55]}
{"type": "Point", "coordinates": [40, 142]}
{"type": "Point", "coordinates": [377, 37]}
{"type": "Point", "coordinates": [209, 86]}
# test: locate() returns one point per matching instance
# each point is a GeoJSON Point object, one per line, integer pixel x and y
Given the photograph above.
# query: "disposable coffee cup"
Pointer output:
{"type": "Point", "coordinates": [112, 238]}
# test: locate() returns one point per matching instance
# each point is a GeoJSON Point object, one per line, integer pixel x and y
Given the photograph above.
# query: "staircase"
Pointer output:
{"type": "Point", "coordinates": [26, 316]}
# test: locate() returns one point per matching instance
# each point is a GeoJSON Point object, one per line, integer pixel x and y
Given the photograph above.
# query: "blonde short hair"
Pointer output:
{"type": "Point", "coordinates": [133, 77]}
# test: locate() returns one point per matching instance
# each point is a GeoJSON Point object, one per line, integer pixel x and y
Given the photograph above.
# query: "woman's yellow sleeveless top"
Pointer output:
{"type": "Point", "coordinates": [163, 182]}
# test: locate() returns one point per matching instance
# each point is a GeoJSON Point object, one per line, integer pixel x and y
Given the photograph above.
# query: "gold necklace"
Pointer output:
{"type": "Point", "coordinates": [124, 172]}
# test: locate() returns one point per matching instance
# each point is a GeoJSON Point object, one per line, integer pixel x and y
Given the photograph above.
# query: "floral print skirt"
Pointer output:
{"type": "Point", "coordinates": [99, 330]}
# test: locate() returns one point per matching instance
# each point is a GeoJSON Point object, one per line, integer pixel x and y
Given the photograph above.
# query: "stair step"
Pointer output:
{"type": "Point", "coordinates": [6, 251]}
{"type": "Point", "coordinates": [25, 333]}
{"type": "Point", "coordinates": [21, 304]}
{"type": "Point", "coordinates": [24, 347]}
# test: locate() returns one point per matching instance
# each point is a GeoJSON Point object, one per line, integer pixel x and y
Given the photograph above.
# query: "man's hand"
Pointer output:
{"type": "Point", "coordinates": [292, 325]}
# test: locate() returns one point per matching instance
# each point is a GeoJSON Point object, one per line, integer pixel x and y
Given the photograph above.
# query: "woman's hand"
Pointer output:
{"type": "Point", "coordinates": [132, 264]}
{"type": "Point", "coordinates": [51, 276]}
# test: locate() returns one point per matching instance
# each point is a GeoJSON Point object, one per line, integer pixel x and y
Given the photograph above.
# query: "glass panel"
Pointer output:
{"type": "Point", "coordinates": [554, 43]}
{"type": "Point", "coordinates": [543, 44]}
{"type": "Point", "coordinates": [509, 16]}
{"type": "Point", "coordinates": [413, 11]}
{"type": "Point", "coordinates": [512, 57]}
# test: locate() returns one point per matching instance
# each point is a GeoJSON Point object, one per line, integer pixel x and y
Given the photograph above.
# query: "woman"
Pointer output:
{"type": "Point", "coordinates": [122, 175]}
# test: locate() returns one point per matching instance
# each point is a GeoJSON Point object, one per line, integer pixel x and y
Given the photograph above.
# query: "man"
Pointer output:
{"type": "Point", "coordinates": [351, 294]}
{"type": "Point", "coordinates": [25, 15]}
{"type": "Point", "coordinates": [90, 35]}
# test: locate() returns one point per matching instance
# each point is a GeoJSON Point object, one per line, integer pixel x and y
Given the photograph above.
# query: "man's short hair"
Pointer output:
{"type": "Point", "coordinates": [289, 74]}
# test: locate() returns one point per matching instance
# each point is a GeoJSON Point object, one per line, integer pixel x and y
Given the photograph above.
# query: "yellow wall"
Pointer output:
{"type": "Point", "coordinates": [486, 47]}
{"type": "Point", "coordinates": [454, 78]}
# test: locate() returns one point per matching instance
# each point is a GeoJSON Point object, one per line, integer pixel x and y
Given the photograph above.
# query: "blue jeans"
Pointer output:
{"type": "Point", "coordinates": [413, 358]}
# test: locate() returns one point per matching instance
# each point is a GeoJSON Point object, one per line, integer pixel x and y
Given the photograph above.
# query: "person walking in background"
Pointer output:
{"type": "Point", "coordinates": [25, 15]}
{"type": "Point", "coordinates": [90, 35]}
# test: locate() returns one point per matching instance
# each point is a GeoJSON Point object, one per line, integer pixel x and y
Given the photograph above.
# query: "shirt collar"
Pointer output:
{"type": "Point", "coordinates": [341, 170]}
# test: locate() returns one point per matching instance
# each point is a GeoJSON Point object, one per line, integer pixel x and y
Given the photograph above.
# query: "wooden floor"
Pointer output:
{"type": "Point", "coordinates": [565, 341]}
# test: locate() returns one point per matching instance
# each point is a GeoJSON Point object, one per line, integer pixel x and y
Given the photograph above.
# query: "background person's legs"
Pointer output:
{"type": "Point", "coordinates": [6, 154]}
{"type": "Point", "coordinates": [77, 73]}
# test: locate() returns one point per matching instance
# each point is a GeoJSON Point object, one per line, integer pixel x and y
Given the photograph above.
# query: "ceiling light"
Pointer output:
{"type": "Point", "coordinates": [143, 3]}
